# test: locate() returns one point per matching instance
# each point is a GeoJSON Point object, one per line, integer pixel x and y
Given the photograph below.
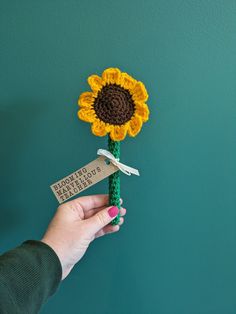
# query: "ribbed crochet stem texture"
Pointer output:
{"type": "Point", "coordinates": [114, 179]}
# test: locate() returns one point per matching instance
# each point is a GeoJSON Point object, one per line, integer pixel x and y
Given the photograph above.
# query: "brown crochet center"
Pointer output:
{"type": "Point", "coordinates": [114, 105]}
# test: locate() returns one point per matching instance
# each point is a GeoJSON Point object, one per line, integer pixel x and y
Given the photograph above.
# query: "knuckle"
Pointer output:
{"type": "Point", "coordinates": [102, 219]}
{"type": "Point", "coordinates": [61, 207]}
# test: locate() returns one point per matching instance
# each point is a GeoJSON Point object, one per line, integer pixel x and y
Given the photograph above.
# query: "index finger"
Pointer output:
{"type": "Point", "coordinates": [90, 202]}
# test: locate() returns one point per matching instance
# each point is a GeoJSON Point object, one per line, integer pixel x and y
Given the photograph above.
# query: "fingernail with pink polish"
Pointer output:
{"type": "Point", "coordinates": [113, 211]}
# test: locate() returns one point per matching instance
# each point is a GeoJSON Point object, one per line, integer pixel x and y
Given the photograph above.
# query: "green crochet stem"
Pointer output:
{"type": "Point", "coordinates": [114, 180]}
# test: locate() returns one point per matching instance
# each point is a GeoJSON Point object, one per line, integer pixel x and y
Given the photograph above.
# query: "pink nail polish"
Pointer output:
{"type": "Point", "coordinates": [113, 211]}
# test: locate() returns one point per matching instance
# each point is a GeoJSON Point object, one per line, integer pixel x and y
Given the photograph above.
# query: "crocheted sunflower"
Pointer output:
{"type": "Point", "coordinates": [116, 106]}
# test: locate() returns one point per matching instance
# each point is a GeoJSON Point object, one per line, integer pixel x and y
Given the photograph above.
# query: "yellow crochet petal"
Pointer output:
{"type": "Point", "coordinates": [95, 82]}
{"type": "Point", "coordinates": [86, 99]}
{"type": "Point", "coordinates": [139, 92]}
{"type": "Point", "coordinates": [99, 128]}
{"type": "Point", "coordinates": [127, 81]}
{"type": "Point", "coordinates": [118, 132]}
{"type": "Point", "coordinates": [135, 125]}
{"type": "Point", "coordinates": [142, 110]}
{"type": "Point", "coordinates": [108, 127]}
{"type": "Point", "coordinates": [87, 115]}
{"type": "Point", "coordinates": [111, 76]}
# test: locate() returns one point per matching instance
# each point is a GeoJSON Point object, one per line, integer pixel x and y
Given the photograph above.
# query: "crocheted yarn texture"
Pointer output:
{"type": "Point", "coordinates": [116, 106]}
{"type": "Point", "coordinates": [114, 180]}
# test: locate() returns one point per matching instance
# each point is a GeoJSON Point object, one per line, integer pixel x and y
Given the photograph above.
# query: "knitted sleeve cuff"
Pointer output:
{"type": "Point", "coordinates": [29, 274]}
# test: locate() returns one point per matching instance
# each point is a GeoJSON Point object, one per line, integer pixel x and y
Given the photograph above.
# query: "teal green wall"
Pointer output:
{"type": "Point", "coordinates": [176, 253]}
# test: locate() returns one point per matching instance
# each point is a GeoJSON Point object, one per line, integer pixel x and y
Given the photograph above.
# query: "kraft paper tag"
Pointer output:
{"type": "Point", "coordinates": [82, 179]}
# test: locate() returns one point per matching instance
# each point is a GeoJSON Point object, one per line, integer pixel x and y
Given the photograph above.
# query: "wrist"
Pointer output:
{"type": "Point", "coordinates": [59, 252]}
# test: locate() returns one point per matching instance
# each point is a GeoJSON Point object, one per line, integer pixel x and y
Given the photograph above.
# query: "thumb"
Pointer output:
{"type": "Point", "coordinates": [101, 219]}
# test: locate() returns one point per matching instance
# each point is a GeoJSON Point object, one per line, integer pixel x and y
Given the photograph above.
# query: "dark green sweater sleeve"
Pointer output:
{"type": "Point", "coordinates": [29, 274]}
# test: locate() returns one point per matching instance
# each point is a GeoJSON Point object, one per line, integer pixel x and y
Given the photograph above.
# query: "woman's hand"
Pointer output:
{"type": "Point", "coordinates": [76, 224]}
